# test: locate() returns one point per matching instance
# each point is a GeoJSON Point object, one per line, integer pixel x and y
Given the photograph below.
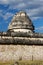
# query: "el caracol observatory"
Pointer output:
{"type": "Point", "coordinates": [21, 22]}
{"type": "Point", "coordinates": [20, 41]}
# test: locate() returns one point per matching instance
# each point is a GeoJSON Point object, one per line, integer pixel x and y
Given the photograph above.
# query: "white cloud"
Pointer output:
{"type": "Point", "coordinates": [3, 1]}
{"type": "Point", "coordinates": [21, 5]}
{"type": "Point", "coordinates": [9, 1]}
{"type": "Point", "coordinates": [7, 15]}
{"type": "Point", "coordinates": [34, 8]}
{"type": "Point", "coordinates": [32, 12]}
{"type": "Point", "coordinates": [39, 28]}
{"type": "Point", "coordinates": [35, 18]}
{"type": "Point", "coordinates": [0, 11]}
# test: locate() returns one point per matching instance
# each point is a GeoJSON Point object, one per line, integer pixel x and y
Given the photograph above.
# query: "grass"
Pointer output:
{"type": "Point", "coordinates": [30, 62]}
{"type": "Point", "coordinates": [23, 62]}
{"type": "Point", "coordinates": [7, 63]}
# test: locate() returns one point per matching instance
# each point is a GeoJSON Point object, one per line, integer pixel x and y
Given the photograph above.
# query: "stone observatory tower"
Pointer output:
{"type": "Point", "coordinates": [21, 23]}
{"type": "Point", "coordinates": [20, 42]}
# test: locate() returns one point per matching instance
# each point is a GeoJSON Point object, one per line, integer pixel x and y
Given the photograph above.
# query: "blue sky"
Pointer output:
{"type": "Point", "coordinates": [34, 9]}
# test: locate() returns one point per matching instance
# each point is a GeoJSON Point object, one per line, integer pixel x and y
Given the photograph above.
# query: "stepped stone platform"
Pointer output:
{"type": "Point", "coordinates": [20, 42]}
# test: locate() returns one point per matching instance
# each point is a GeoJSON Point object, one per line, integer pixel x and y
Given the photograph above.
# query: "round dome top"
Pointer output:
{"type": "Point", "coordinates": [21, 21]}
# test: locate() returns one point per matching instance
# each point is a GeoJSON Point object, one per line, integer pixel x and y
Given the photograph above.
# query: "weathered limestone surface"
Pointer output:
{"type": "Point", "coordinates": [21, 34]}
{"type": "Point", "coordinates": [21, 21]}
{"type": "Point", "coordinates": [20, 40]}
{"type": "Point", "coordinates": [20, 52]}
{"type": "Point", "coordinates": [25, 44]}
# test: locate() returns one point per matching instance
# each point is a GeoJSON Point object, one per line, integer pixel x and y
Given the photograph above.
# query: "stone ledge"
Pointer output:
{"type": "Point", "coordinates": [21, 34]}
{"type": "Point", "coordinates": [20, 40]}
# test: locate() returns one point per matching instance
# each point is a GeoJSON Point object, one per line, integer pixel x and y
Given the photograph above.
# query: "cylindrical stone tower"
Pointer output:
{"type": "Point", "coordinates": [21, 23]}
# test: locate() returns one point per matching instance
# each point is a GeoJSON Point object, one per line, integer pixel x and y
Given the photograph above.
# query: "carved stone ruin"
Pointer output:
{"type": "Point", "coordinates": [20, 41]}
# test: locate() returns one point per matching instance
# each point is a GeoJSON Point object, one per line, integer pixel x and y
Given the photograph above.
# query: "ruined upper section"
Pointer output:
{"type": "Point", "coordinates": [20, 31]}
{"type": "Point", "coordinates": [21, 23]}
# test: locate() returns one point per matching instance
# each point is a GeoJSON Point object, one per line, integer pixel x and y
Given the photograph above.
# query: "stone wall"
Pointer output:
{"type": "Point", "coordinates": [20, 40]}
{"type": "Point", "coordinates": [20, 52]}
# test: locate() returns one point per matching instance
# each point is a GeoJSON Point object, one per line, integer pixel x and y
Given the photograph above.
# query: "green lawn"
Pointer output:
{"type": "Point", "coordinates": [22, 63]}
